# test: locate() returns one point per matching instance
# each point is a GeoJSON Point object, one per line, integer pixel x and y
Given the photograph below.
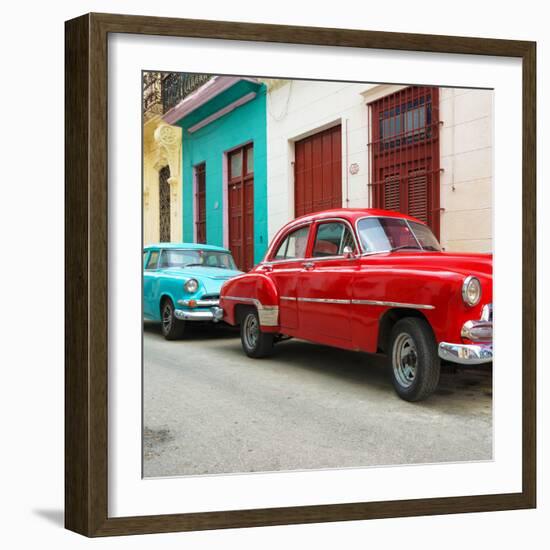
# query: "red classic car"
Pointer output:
{"type": "Point", "coordinates": [373, 281]}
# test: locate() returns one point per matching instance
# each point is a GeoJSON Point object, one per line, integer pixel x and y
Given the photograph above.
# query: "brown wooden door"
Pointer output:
{"type": "Point", "coordinates": [200, 203]}
{"type": "Point", "coordinates": [404, 152]}
{"type": "Point", "coordinates": [241, 206]}
{"type": "Point", "coordinates": [318, 172]}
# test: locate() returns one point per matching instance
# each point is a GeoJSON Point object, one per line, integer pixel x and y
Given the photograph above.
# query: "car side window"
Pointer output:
{"type": "Point", "coordinates": [293, 245]}
{"type": "Point", "coordinates": [331, 239]}
{"type": "Point", "coordinates": [153, 260]}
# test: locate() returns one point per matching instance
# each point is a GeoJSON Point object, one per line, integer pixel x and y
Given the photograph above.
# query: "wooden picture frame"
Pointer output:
{"type": "Point", "coordinates": [86, 321]}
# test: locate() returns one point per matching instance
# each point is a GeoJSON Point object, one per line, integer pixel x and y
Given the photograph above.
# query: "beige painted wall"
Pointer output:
{"type": "Point", "coordinates": [161, 147]}
{"type": "Point", "coordinates": [466, 149]}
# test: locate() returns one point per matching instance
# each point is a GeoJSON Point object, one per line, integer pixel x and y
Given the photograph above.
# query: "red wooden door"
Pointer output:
{"type": "Point", "coordinates": [318, 172]}
{"type": "Point", "coordinates": [241, 206]}
{"type": "Point", "coordinates": [404, 153]}
{"type": "Point", "coordinates": [200, 203]}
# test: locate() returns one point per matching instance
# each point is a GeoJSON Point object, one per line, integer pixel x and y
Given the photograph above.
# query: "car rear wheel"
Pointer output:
{"type": "Point", "coordinates": [172, 328]}
{"type": "Point", "coordinates": [415, 364]}
{"type": "Point", "coordinates": [255, 342]}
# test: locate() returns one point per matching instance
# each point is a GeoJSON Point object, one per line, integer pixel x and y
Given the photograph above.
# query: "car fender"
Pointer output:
{"type": "Point", "coordinates": [252, 289]}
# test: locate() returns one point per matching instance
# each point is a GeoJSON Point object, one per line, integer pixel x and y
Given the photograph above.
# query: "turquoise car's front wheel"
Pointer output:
{"type": "Point", "coordinates": [172, 328]}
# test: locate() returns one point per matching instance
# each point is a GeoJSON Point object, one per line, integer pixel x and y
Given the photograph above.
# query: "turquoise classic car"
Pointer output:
{"type": "Point", "coordinates": [182, 281]}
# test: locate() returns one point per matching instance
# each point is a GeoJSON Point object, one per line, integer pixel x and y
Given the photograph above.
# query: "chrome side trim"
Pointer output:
{"type": "Point", "coordinates": [268, 315]}
{"type": "Point", "coordinates": [324, 300]}
{"type": "Point", "coordinates": [257, 303]}
{"type": "Point", "coordinates": [466, 354]}
{"type": "Point", "coordinates": [391, 304]}
{"type": "Point", "coordinates": [261, 307]}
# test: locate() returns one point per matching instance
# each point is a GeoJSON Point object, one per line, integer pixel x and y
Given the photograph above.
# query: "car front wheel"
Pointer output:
{"type": "Point", "coordinates": [172, 328]}
{"type": "Point", "coordinates": [255, 342]}
{"type": "Point", "coordinates": [415, 364]}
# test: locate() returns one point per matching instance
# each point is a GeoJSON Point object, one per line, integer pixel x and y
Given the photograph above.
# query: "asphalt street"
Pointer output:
{"type": "Point", "coordinates": [208, 409]}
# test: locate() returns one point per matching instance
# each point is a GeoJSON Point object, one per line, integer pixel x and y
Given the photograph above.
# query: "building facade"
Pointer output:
{"type": "Point", "coordinates": [224, 171]}
{"type": "Point", "coordinates": [424, 151]}
{"type": "Point", "coordinates": [162, 147]}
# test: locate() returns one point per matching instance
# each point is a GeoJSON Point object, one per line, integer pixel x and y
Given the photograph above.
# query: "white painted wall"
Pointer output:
{"type": "Point", "coordinates": [466, 151]}
{"type": "Point", "coordinates": [296, 109]}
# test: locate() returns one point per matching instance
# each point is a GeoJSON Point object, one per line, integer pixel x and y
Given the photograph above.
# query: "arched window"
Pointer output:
{"type": "Point", "coordinates": [164, 205]}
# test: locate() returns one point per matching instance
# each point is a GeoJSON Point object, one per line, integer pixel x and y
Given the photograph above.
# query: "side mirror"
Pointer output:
{"type": "Point", "coordinates": [348, 252]}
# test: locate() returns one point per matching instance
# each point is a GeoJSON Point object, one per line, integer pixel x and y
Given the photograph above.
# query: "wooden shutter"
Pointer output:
{"type": "Point", "coordinates": [418, 195]}
{"type": "Point", "coordinates": [392, 195]}
{"type": "Point", "coordinates": [318, 172]}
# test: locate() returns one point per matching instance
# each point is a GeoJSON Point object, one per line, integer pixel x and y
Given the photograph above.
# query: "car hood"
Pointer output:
{"type": "Point", "coordinates": [460, 262]}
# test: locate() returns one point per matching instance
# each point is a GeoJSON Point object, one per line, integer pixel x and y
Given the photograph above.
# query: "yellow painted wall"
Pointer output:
{"type": "Point", "coordinates": [161, 147]}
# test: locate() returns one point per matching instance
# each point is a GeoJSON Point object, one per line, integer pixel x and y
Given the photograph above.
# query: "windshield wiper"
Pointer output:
{"type": "Point", "coordinates": [190, 265]}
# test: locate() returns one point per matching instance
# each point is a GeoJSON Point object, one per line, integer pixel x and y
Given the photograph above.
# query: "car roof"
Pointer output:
{"type": "Point", "coordinates": [187, 246]}
{"type": "Point", "coordinates": [353, 214]}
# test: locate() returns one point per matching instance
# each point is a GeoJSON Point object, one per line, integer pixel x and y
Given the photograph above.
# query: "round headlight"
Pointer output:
{"type": "Point", "coordinates": [471, 290]}
{"type": "Point", "coordinates": [191, 286]}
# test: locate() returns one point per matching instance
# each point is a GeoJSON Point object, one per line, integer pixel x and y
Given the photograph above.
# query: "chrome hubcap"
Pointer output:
{"type": "Point", "coordinates": [166, 318]}
{"type": "Point", "coordinates": [404, 360]}
{"type": "Point", "coordinates": [251, 331]}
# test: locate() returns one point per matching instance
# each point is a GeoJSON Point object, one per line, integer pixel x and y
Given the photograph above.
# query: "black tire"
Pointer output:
{"type": "Point", "coordinates": [172, 328]}
{"type": "Point", "coordinates": [255, 343]}
{"type": "Point", "coordinates": [413, 358]}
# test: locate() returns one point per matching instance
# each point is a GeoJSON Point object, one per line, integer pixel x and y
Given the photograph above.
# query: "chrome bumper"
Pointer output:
{"type": "Point", "coordinates": [466, 354]}
{"type": "Point", "coordinates": [213, 314]}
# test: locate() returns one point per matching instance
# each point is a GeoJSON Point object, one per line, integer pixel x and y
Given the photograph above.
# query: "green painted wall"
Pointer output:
{"type": "Point", "coordinates": [245, 124]}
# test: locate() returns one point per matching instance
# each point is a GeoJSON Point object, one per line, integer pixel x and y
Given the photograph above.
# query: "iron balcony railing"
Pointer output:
{"type": "Point", "coordinates": [162, 91]}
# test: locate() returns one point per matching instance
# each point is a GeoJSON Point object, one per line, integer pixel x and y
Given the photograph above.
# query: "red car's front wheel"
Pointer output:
{"type": "Point", "coordinates": [415, 364]}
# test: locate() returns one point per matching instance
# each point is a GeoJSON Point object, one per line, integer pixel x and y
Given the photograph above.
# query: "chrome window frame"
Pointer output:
{"type": "Point", "coordinates": [357, 242]}
{"type": "Point", "coordinates": [284, 237]}
{"type": "Point", "coordinates": [280, 242]}
{"type": "Point", "coordinates": [359, 249]}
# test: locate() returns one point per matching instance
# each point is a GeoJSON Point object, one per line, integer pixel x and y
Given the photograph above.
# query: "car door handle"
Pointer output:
{"type": "Point", "coordinates": [308, 265]}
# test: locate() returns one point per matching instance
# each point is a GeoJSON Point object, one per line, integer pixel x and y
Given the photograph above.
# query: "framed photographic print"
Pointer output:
{"type": "Point", "coordinates": [300, 275]}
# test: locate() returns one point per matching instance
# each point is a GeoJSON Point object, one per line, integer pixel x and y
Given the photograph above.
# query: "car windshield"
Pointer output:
{"type": "Point", "coordinates": [205, 258]}
{"type": "Point", "coordinates": [390, 234]}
